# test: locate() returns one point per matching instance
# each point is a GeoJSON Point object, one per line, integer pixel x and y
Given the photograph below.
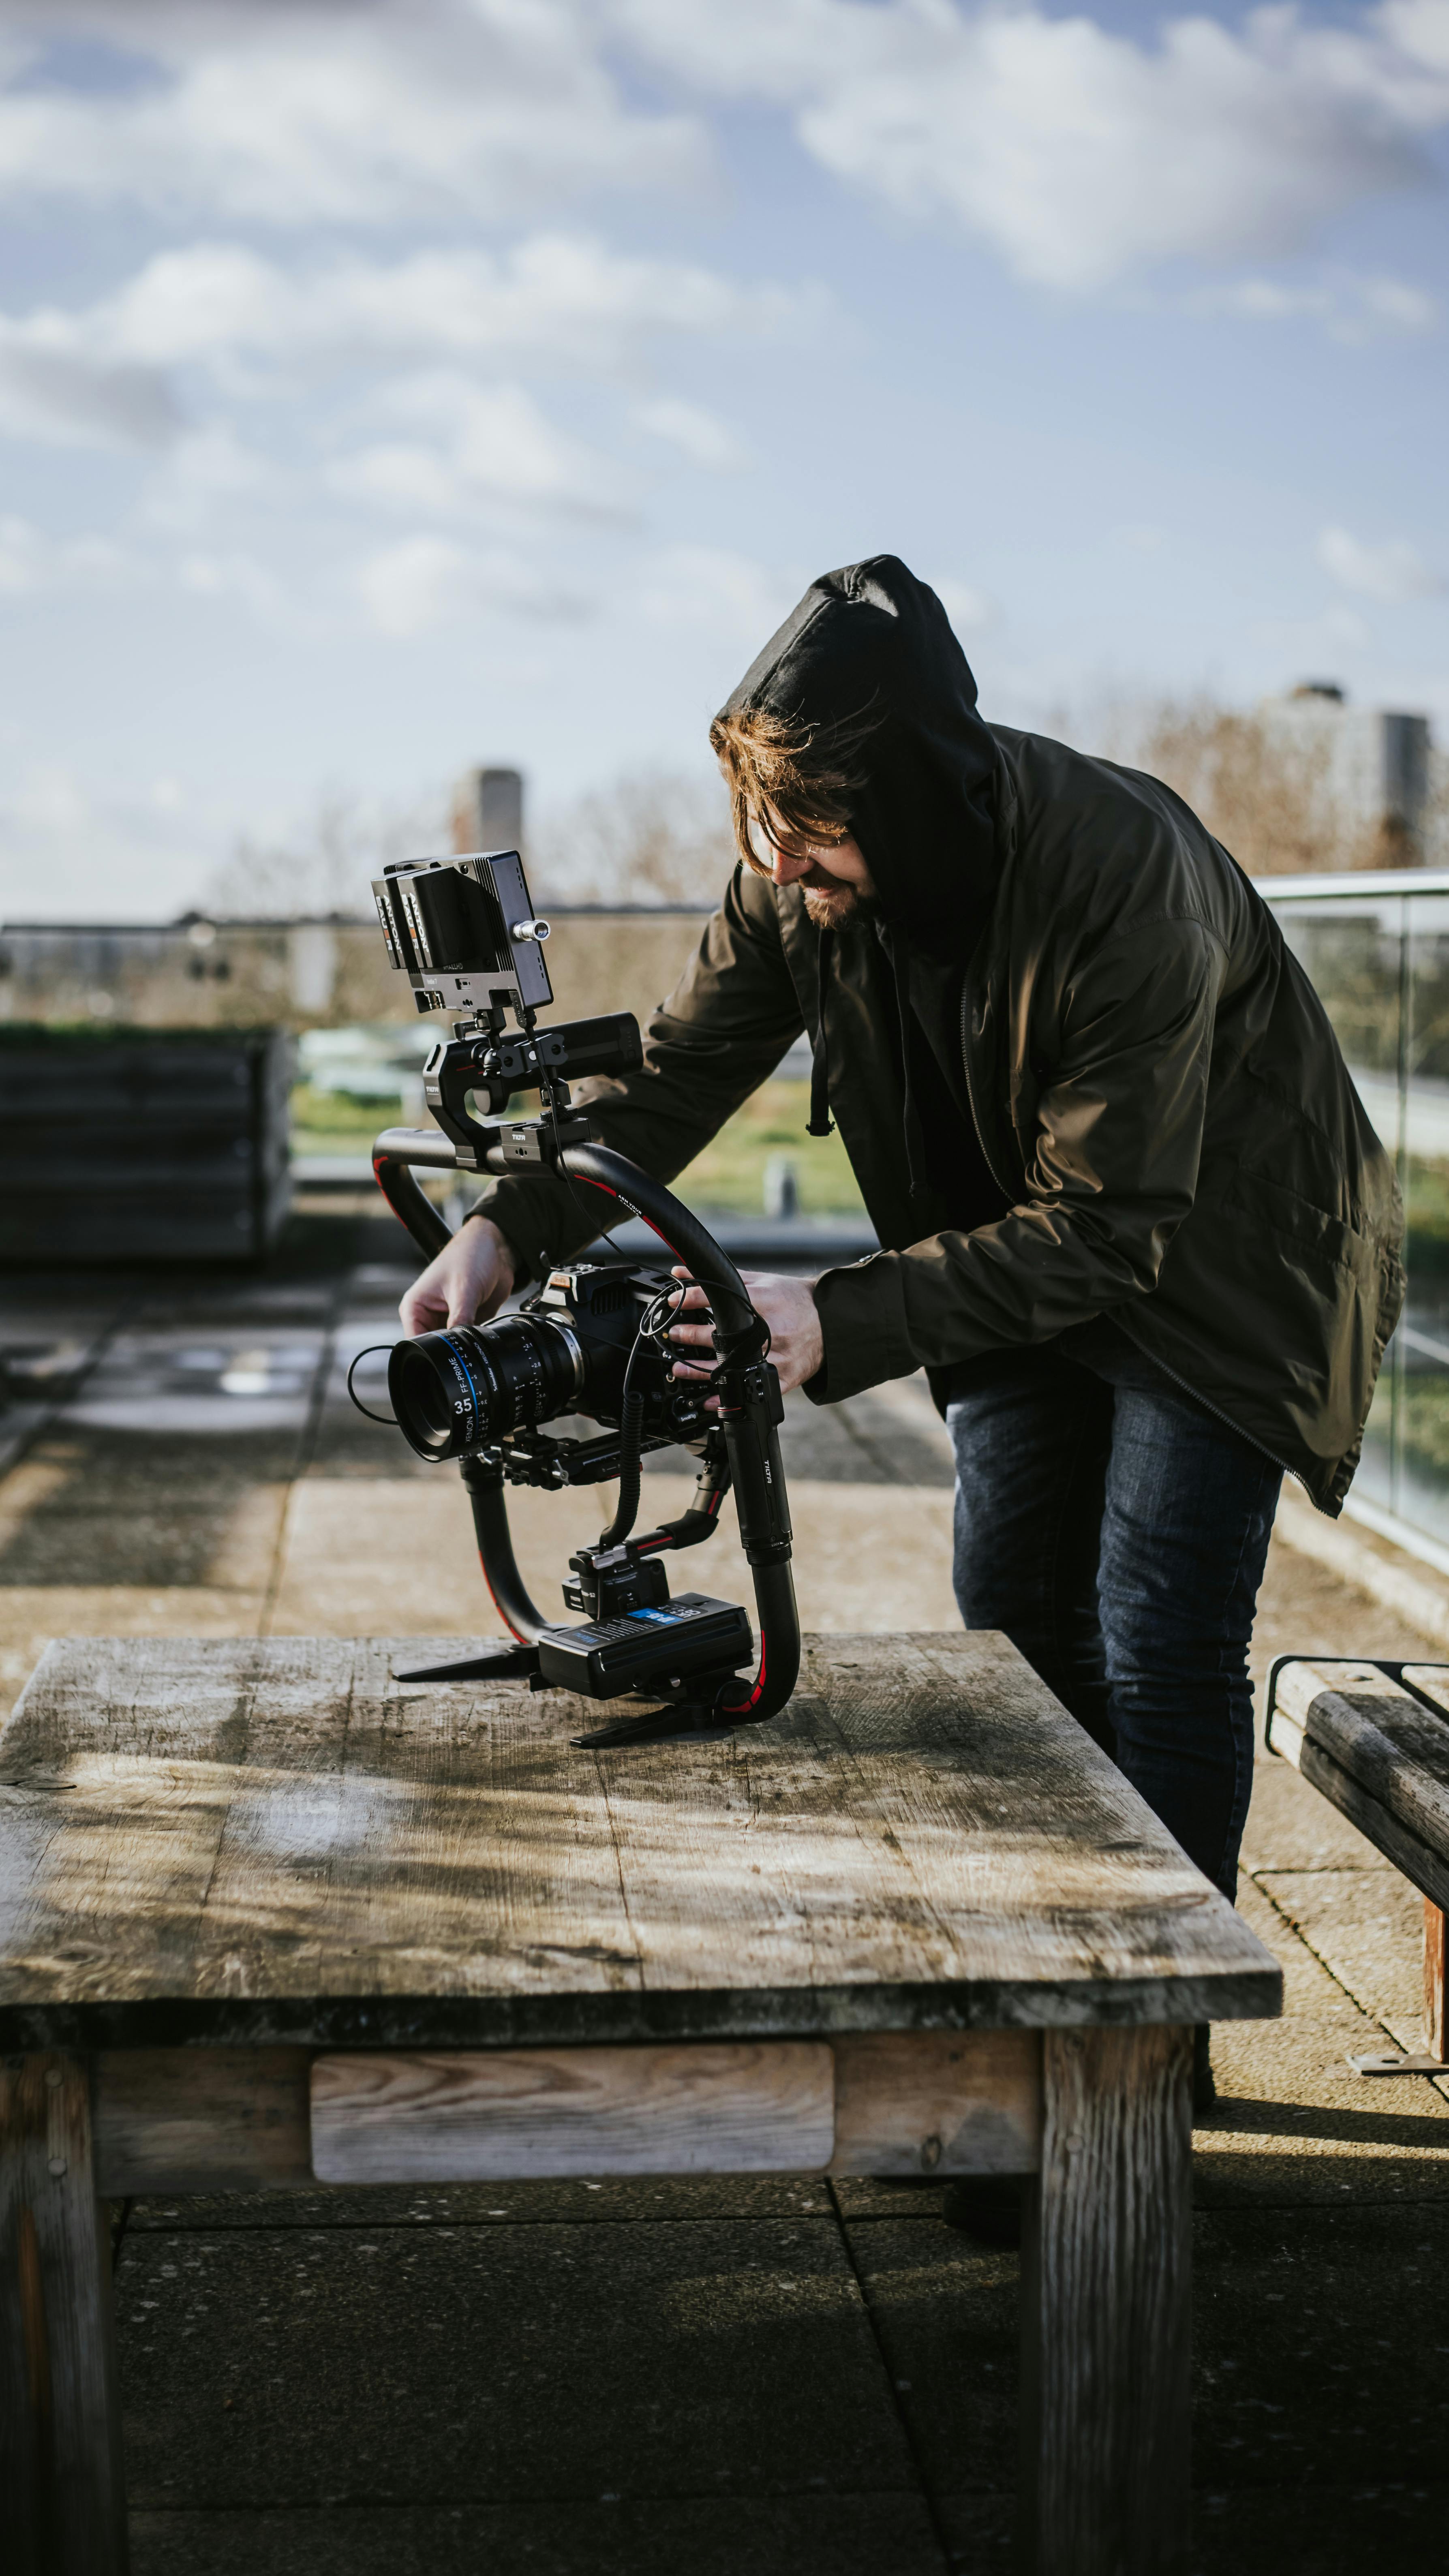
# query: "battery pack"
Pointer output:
{"type": "Point", "coordinates": [666, 1642]}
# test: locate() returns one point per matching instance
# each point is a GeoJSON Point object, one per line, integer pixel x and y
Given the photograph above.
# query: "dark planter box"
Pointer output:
{"type": "Point", "coordinates": [138, 1145]}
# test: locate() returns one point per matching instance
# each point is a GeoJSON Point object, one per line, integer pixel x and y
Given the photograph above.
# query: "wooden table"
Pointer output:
{"type": "Point", "coordinates": [267, 1916]}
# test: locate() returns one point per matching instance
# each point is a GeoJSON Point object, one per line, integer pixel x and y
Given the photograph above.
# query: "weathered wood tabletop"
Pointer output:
{"type": "Point", "coordinates": [267, 1914]}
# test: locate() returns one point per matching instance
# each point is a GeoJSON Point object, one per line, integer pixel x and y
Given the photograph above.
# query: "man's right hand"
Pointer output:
{"type": "Point", "coordinates": [468, 1282]}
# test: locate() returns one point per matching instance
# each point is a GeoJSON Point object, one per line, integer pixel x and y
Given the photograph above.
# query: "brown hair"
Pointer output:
{"type": "Point", "coordinates": [788, 772]}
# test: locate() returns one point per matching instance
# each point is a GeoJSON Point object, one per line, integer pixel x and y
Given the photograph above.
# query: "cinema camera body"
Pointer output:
{"type": "Point", "coordinates": [591, 1341]}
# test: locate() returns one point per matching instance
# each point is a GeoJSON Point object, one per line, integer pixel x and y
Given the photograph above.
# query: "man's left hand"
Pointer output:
{"type": "Point", "coordinates": [797, 1343]}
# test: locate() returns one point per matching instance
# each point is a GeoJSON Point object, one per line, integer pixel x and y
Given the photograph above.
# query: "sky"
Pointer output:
{"type": "Point", "coordinates": [387, 385]}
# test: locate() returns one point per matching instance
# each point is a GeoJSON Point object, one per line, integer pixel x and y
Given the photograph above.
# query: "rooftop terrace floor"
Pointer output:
{"type": "Point", "coordinates": [748, 2375]}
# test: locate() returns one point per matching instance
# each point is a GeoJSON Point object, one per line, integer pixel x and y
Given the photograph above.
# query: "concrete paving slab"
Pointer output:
{"type": "Point", "coordinates": [1291, 1825]}
{"type": "Point", "coordinates": [1308, 1608]}
{"type": "Point", "coordinates": [1321, 2350]}
{"type": "Point", "coordinates": [846, 2535]}
{"type": "Point", "coordinates": [155, 1513]}
{"type": "Point", "coordinates": [445, 2366]}
{"type": "Point", "coordinates": [946, 2312]}
{"type": "Point", "coordinates": [397, 1557]}
{"type": "Point", "coordinates": [892, 1435]}
{"type": "Point", "coordinates": [201, 1378]}
{"type": "Point", "coordinates": [1320, 2531]}
{"type": "Point", "coordinates": [979, 2532]}
{"type": "Point", "coordinates": [105, 1537]}
{"type": "Point", "coordinates": [616, 2199]}
{"type": "Point", "coordinates": [872, 1557]}
{"type": "Point", "coordinates": [862, 2196]}
{"type": "Point", "coordinates": [1295, 2126]}
{"type": "Point", "coordinates": [1308, 1986]}
{"type": "Point", "coordinates": [1367, 1926]}
{"type": "Point", "coordinates": [346, 1443]}
{"type": "Point", "coordinates": [32, 1618]}
{"type": "Point", "coordinates": [219, 1299]}
{"type": "Point", "coordinates": [1412, 1591]}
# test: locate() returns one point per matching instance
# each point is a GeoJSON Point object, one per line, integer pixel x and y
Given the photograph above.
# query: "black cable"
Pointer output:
{"type": "Point", "coordinates": [388, 1420]}
{"type": "Point", "coordinates": [653, 1323]}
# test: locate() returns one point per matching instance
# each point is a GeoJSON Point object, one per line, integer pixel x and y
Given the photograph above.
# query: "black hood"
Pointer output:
{"type": "Point", "coordinates": [871, 639]}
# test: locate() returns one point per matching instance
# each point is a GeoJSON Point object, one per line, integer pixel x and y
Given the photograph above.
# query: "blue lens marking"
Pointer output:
{"type": "Point", "coordinates": [447, 1338]}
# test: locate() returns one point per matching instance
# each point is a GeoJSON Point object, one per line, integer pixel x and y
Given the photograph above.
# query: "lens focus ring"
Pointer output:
{"type": "Point", "coordinates": [461, 1390]}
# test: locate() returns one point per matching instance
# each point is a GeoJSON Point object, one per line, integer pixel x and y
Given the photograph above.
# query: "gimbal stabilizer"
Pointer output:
{"type": "Point", "coordinates": [481, 1394]}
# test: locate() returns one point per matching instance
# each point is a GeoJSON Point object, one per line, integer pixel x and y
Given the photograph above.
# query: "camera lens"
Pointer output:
{"type": "Point", "coordinates": [456, 1391]}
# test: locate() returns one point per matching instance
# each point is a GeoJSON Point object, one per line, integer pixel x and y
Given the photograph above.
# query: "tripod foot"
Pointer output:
{"type": "Point", "coordinates": [686, 1721]}
{"type": "Point", "coordinates": [502, 1664]}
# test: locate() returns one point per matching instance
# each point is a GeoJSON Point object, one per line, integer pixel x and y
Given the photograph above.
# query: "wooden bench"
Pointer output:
{"type": "Point", "coordinates": [267, 1917]}
{"type": "Point", "coordinates": [1374, 1737]}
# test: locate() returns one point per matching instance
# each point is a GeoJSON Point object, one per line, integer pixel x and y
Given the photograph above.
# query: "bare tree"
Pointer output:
{"type": "Point", "coordinates": [655, 837]}
{"type": "Point", "coordinates": [1265, 786]}
{"type": "Point", "coordinates": [326, 869]}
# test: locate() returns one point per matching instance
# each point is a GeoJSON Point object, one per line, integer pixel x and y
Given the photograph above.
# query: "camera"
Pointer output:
{"type": "Point", "coordinates": [569, 1350]}
{"type": "Point", "coordinates": [592, 1341]}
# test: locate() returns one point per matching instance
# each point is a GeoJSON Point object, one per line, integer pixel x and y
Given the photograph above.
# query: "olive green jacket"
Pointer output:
{"type": "Point", "coordinates": [1156, 1089]}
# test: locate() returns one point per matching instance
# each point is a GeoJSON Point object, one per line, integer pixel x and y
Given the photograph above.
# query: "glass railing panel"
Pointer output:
{"type": "Point", "coordinates": [1423, 1336]}
{"type": "Point", "coordinates": [1351, 949]}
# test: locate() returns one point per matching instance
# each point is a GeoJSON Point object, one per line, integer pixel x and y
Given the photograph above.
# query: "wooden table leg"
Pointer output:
{"type": "Point", "coordinates": [1434, 2031]}
{"type": "Point", "coordinates": [1106, 2330]}
{"type": "Point", "coordinates": [62, 2493]}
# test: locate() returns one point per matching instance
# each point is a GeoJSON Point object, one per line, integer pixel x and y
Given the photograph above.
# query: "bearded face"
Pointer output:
{"type": "Point", "coordinates": [832, 875]}
{"type": "Point", "coordinates": [829, 904]}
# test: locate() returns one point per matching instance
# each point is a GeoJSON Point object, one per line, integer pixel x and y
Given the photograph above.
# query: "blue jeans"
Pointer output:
{"type": "Point", "coordinates": [1118, 1533]}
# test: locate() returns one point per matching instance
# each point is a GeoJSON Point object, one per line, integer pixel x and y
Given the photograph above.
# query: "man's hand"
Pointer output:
{"type": "Point", "coordinates": [797, 1343]}
{"type": "Point", "coordinates": [467, 1283]}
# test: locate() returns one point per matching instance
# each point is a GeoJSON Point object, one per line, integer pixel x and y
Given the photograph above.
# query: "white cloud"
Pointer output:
{"type": "Point", "coordinates": [56, 393]}
{"type": "Point", "coordinates": [206, 470]}
{"type": "Point", "coordinates": [557, 298]}
{"type": "Point", "coordinates": [1306, 641]}
{"type": "Point", "coordinates": [740, 600]}
{"type": "Point", "coordinates": [73, 851]}
{"type": "Point", "coordinates": [699, 435]}
{"type": "Point", "coordinates": [129, 369]}
{"type": "Point", "coordinates": [314, 112]}
{"type": "Point", "coordinates": [971, 611]}
{"type": "Point", "coordinates": [32, 563]}
{"type": "Point", "coordinates": [1081, 154]}
{"type": "Point", "coordinates": [427, 582]}
{"type": "Point", "coordinates": [1354, 309]}
{"type": "Point", "coordinates": [1393, 572]}
{"type": "Point", "coordinates": [233, 577]}
{"type": "Point", "coordinates": [493, 444]}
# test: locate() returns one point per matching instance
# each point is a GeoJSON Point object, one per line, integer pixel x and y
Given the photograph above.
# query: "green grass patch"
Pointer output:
{"type": "Point", "coordinates": [730, 1173]}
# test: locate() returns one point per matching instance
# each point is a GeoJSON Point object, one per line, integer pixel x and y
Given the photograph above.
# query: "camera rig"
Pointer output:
{"type": "Point", "coordinates": [591, 1339]}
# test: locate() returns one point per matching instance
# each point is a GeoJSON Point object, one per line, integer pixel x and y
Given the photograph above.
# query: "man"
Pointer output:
{"type": "Point", "coordinates": [1135, 1223]}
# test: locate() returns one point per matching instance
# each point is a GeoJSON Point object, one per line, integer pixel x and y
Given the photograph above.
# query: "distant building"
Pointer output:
{"type": "Point", "coordinates": [488, 810]}
{"type": "Point", "coordinates": [1377, 769]}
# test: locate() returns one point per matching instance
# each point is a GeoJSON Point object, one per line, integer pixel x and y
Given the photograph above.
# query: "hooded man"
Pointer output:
{"type": "Point", "coordinates": [1135, 1223]}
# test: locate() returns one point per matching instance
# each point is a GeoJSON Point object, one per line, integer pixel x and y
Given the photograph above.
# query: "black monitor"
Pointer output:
{"type": "Point", "coordinates": [463, 930]}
